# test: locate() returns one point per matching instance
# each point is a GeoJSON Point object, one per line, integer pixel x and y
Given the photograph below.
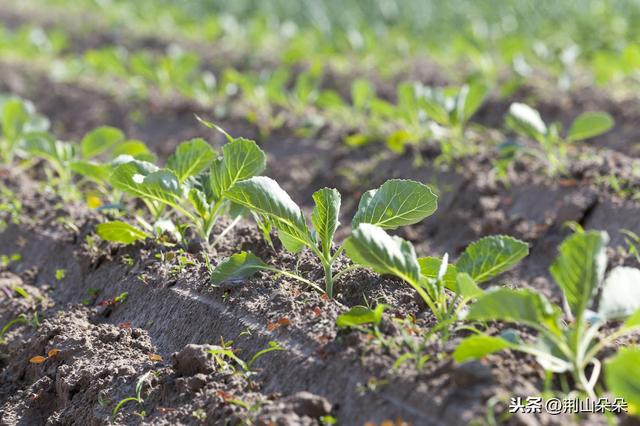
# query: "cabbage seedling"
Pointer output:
{"type": "Point", "coordinates": [445, 288]}
{"type": "Point", "coordinates": [563, 346]}
{"type": "Point", "coordinates": [66, 160]}
{"type": "Point", "coordinates": [18, 121]}
{"type": "Point", "coordinates": [396, 203]}
{"type": "Point", "coordinates": [194, 184]}
{"type": "Point", "coordinates": [552, 147]}
{"type": "Point", "coordinates": [450, 108]}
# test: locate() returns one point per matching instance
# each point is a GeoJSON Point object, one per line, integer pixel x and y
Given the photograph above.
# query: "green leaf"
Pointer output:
{"type": "Point", "coordinates": [475, 95]}
{"type": "Point", "coordinates": [360, 315]}
{"type": "Point", "coordinates": [622, 376]}
{"type": "Point", "coordinates": [579, 268]}
{"type": "Point", "coordinates": [590, 124]}
{"type": "Point", "coordinates": [478, 346]}
{"type": "Point", "coordinates": [241, 159]}
{"type": "Point", "coordinates": [434, 102]}
{"type": "Point", "coordinates": [136, 179]}
{"type": "Point", "coordinates": [325, 216]}
{"type": "Point", "coordinates": [361, 93]}
{"type": "Point", "coordinates": [620, 293]}
{"type": "Point", "coordinates": [372, 247]}
{"type": "Point", "coordinates": [100, 140]}
{"type": "Point", "coordinates": [397, 202]}
{"type": "Point", "coordinates": [96, 172]}
{"type": "Point", "coordinates": [633, 321]}
{"type": "Point", "coordinates": [191, 157]}
{"type": "Point", "coordinates": [491, 256]}
{"type": "Point", "coordinates": [120, 232]}
{"type": "Point", "coordinates": [136, 149]}
{"type": "Point", "coordinates": [14, 118]}
{"type": "Point", "coordinates": [264, 196]}
{"type": "Point", "coordinates": [524, 306]}
{"type": "Point", "coordinates": [43, 145]}
{"type": "Point", "coordinates": [466, 287]}
{"type": "Point", "coordinates": [237, 267]}
{"type": "Point", "coordinates": [430, 266]}
{"type": "Point", "coordinates": [526, 120]}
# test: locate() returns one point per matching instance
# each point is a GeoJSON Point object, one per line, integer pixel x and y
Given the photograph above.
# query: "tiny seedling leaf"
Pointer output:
{"type": "Point", "coordinates": [526, 120]}
{"type": "Point", "coordinates": [478, 346]}
{"type": "Point", "coordinates": [100, 140]}
{"type": "Point", "coordinates": [120, 232]}
{"type": "Point", "coordinates": [590, 124]}
{"type": "Point", "coordinates": [325, 216]}
{"type": "Point", "coordinates": [397, 202]}
{"type": "Point", "coordinates": [579, 268]}
{"type": "Point", "coordinates": [237, 267]}
{"type": "Point", "coordinates": [490, 256]}
{"type": "Point", "coordinates": [360, 315]}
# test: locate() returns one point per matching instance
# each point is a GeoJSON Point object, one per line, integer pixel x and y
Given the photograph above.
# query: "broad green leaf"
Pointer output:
{"type": "Point", "coordinates": [478, 346]}
{"type": "Point", "coordinates": [372, 247]}
{"type": "Point", "coordinates": [237, 267]}
{"type": "Point", "coordinates": [191, 157]}
{"type": "Point", "coordinates": [526, 120]}
{"type": "Point", "coordinates": [14, 117]}
{"type": "Point", "coordinates": [136, 149]}
{"type": "Point", "coordinates": [579, 268]}
{"type": "Point", "coordinates": [135, 179]}
{"type": "Point", "coordinates": [620, 293]}
{"type": "Point", "coordinates": [622, 376]}
{"type": "Point", "coordinates": [524, 306]}
{"type": "Point", "coordinates": [241, 159]}
{"type": "Point", "coordinates": [397, 202]}
{"type": "Point", "coordinates": [100, 140]}
{"type": "Point", "coordinates": [97, 172]}
{"type": "Point", "coordinates": [120, 232]}
{"type": "Point", "coordinates": [590, 124]}
{"type": "Point", "coordinates": [490, 256]}
{"type": "Point", "coordinates": [466, 287]}
{"type": "Point", "coordinates": [360, 315]}
{"type": "Point", "coordinates": [264, 196]}
{"type": "Point", "coordinates": [325, 216]}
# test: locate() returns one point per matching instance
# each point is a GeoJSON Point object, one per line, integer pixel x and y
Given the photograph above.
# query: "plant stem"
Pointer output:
{"type": "Point", "coordinates": [328, 279]}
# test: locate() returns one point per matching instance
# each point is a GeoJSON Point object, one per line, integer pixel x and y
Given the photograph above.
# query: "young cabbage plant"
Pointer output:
{"type": "Point", "coordinates": [553, 148]}
{"type": "Point", "coordinates": [18, 121]}
{"type": "Point", "coordinates": [396, 203]}
{"type": "Point", "coordinates": [67, 160]}
{"type": "Point", "coordinates": [445, 288]}
{"type": "Point", "coordinates": [571, 344]}
{"type": "Point", "coordinates": [451, 108]}
{"type": "Point", "coordinates": [194, 184]}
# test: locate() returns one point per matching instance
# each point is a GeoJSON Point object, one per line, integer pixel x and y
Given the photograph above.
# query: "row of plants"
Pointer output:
{"type": "Point", "coordinates": [181, 202]}
{"type": "Point", "coordinates": [270, 100]}
{"type": "Point", "coordinates": [599, 40]}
